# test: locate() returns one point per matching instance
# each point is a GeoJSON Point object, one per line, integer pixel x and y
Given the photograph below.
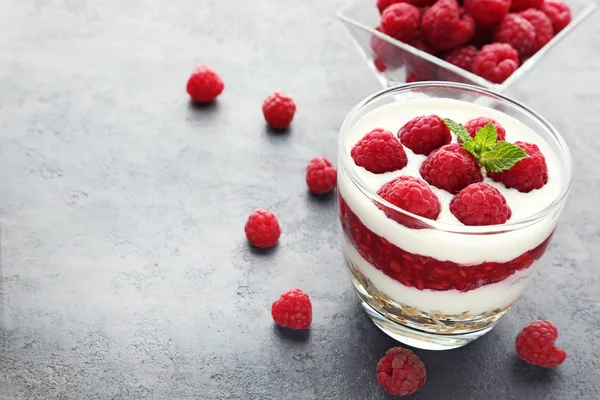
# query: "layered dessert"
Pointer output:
{"type": "Point", "coordinates": [442, 206]}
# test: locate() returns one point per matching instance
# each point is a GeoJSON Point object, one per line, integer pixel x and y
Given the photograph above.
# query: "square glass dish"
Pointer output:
{"type": "Point", "coordinates": [395, 62]}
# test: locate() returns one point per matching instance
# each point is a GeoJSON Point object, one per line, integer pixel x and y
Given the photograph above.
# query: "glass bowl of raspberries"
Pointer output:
{"type": "Point", "coordinates": [488, 43]}
{"type": "Point", "coordinates": [448, 194]}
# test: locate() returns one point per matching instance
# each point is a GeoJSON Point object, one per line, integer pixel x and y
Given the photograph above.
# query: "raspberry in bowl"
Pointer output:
{"type": "Point", "coordinates": [442, 242]}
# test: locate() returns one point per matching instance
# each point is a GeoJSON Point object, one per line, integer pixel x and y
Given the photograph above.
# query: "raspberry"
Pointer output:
{"type": "Point", "coordinates": [445, 26]}
{"type": "Point", "coordinates": [414, 77]}
{"type": "Point", "coordinates": [462, 57]}
{"type": "Point", "coordinates": [451, 168]}
{"type": "Point", "coordinates": [543, 29]}
{"type": "Point", "coordinates": [424, 134]}
{"type": "Point", "coordinates": [292, 310]}
{"type": "Point", "coordinates": [496, 62]}
{"type": "Point", "coordinates": [476, 124]}
{"type": "Point", "coordinates": [401, 21]}
{"type": "Point", "coordinates": [516, 31]}
{"type": "Point", "coordinates": [401, 372]}
{"type": "Point", "coordinates": [262, 228]}
{"type": "Point", "coordinates": [487, 12]}
{"type": "Point", "coordinates": [383, 4]}
{"type": "Point", "coordinates": [480, 204]}
{"type": "Point", "coordinates": [559, 13]}
{"type": "Point", "coordinates": [321, 175]}
{"type": "Point", "coordinates": [279, 109]}
{"type": "Point", "coordinates": [410, 194]}
{"type": "Point", "coordinates": [520, 5]}
{"type": "Point", "coordinates": [527, 174]}
{"type": "Point", "coordinates": [386, 55]}
{"type": "Point", "coordinates": [535, 345]}
{"type": "Point", "coordinates": [379, 151]}
{"type": "Point", "coordinates": [204, 84]}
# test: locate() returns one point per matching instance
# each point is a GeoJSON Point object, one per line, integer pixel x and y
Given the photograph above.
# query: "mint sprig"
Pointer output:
{"type": "Point", "coordinates": [491, 154]}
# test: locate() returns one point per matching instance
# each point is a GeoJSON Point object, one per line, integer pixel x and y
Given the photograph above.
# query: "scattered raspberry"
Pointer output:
{"type": "Point", "coordinates": [462, 57]}
{"type": "Point", "coordinates": [477, 123]}
{"type": "Point", "coordinates": [451, 168]}
{"type": "Point", "coordinates": [401, 372]}
{"type": "Point", "coordinates": [487, 12]}
{"type": "Point", "coordinates": [496, 62]}
{"type": "Point", "coordinates": [516, 31]}
{"type": "Point", "coordinates": [262, 228]}
{"type": "Point", "coordinates": [410, 194]}
{"type": "Point", "coordinates": [379, 151]}
{"type": "Point", "coordinates": [480, 204]}
{"type": "Point", "coordinates": [543, 29]}
{"type": "Point", "coordinates": [321, 175]}
{"type": "Point", "coordinates": [445, 26]}
{"type": "Point", "coordinates": [385, 54]}
{"type": "Point", "coordinates": [424, 134]}
{"type": "Point", "coordinates": [383, 4]}
{"type": "Point", "coordinates": [520, 5]}
{"type": "Point", "coordinates": [401, 21]}
{"type": "Point", "coordinates": [536, 345]}
{"type": "Point", "coordinates": [527, 174]}
{"type": "Point", "coordinates": [204, 84]}
{"type": "Point", "coordinates": [559, 13]}
{"type": "Point", "coordinates": [292, 310]}
{"type": "Point", "coordinates": [279, 109]}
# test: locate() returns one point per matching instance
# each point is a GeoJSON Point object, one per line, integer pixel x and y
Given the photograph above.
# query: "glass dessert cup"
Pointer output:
{"type": "Point", "coordinates": [435, 285]}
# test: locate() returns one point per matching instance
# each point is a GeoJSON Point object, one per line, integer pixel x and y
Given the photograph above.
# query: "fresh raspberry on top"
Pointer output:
{"type": "Point", "coordinates": [262, 228]}
{"type": "Point", "coordinates": [292, 310]}
{"type": "Point", "coordinates": [383, 4]}
{"type": "Point", "coordinates": [401, 21]}
{"type": "Point", "coordinates": [424, 134]}
{"type": "Point", "coordinates": [410, 194]}
{"type": "Point", "coordinates": [487, 12]}
{"type": "Point", "coordinates": [279, 109]}
{"type": "Point", "coordinates": [379, 151]}
{"type": "Point", "coordinates": [559, 13]}
{"type": "Point", "coordinates": [401, 372]}
{"type": "Point", "coordinates": [445, 26]}
{"type": "Point", "coordinates": [385, 54]}
{"type": "Point", "coordinates": [516, 31]}
{"type": "Point", "coordinates": [204, 85]}
{"type": "Point", "coordinates": [496, 62]}
{"type": "Point", "coordinates": [480, 204]}
{"type": "Point", "coordinates": [462, 57]}
{"type": "Point", "coordinates": [321, 175]}
{"type": "Point", "coordinates": [527, 174]}
{"type": "Point", "coordinates": [535, 345]}
{"type": "Point", "coordinates": [475, 124]}
{"type": "Point", "coordinates": [451, 168]}
{"type": "Point", "coordinates": [521, 5]}
{"type": "Point", "coordinates": [543, 28]}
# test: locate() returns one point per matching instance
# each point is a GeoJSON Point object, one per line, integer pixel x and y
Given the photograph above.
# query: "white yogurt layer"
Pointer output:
{"type": "Point", "coordinates": [443, 245]}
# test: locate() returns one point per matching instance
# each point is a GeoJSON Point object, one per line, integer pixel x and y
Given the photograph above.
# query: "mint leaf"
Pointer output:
{"type": "Point", "coordinates": [486, 137]}
{"type": "Point", "coordinates": [458, 130]}
{"type": "Point", "coordinates": [472, 147]}
{"type": "Point", "coordinates": [501, 156]}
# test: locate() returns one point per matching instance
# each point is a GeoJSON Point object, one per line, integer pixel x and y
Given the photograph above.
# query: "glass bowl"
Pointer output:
{"type": "Point", "coordinates": [397, 61]}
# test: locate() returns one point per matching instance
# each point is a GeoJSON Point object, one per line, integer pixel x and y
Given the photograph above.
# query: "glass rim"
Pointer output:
{"type": "Point", "coordinates": [564, 155]}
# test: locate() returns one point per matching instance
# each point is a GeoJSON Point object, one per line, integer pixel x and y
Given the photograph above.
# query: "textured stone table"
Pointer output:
{"type": "Point", "coordinates": [125, 273]}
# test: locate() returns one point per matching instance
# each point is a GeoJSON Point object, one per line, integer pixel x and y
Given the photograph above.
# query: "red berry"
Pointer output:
{"type": "Point", "coordinates": [535, 345]}
{"type": "Point", "coordinates": [543, 28]}
{"type": "Point", "coordinates": [480, 204]}
{"type": "Point", "coordinates": [383, 4]}
{"type": "Point", "coordinates": [487, 12]}
{"type": "Point", "coordinates": [386, 55]}
{"type": "Point", "coordinates": [321, 175]}
{"type": "Point", "coordinates": [516, 31]}
{"type": "Point", "coordinates": [401, 21]}
{"type": "Point", "coordinates": [279, 109]}
{"type": "Point", "coordinates": [559, 13]}
{"type": "Point", "coordinates": [476, 124]}
{"type": "Point", "coordinates": [520, 5]}
{"type": "Point", "coordinates": [527, 174]}
{"type": "Point", "coordinates": [401, 372]}
{"type": "Point", "coordinates": [292, 310]}
{"type": "Point", "coordinates": [410, 194]}
{"type": "Point", "coordinates": [379, 151]}
{"type": "Point", "coordinates": [204, 84]}
{"type": "Point", "coordinates": [496, 62]}
{"type": "Point", "coordinates": [424, 134]}
{"type": "Point", "coordinates": [451, 168]}
{"type": "Point", "coordinates": [462, 57]}
{"type": "Point", "coordinates": [445, 26]}
{"type": "Point", "coordinates": [262, 228]}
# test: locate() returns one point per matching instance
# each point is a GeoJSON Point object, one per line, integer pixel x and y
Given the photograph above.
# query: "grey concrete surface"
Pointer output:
{"type": "Point", "coordinates": [125, 273]}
